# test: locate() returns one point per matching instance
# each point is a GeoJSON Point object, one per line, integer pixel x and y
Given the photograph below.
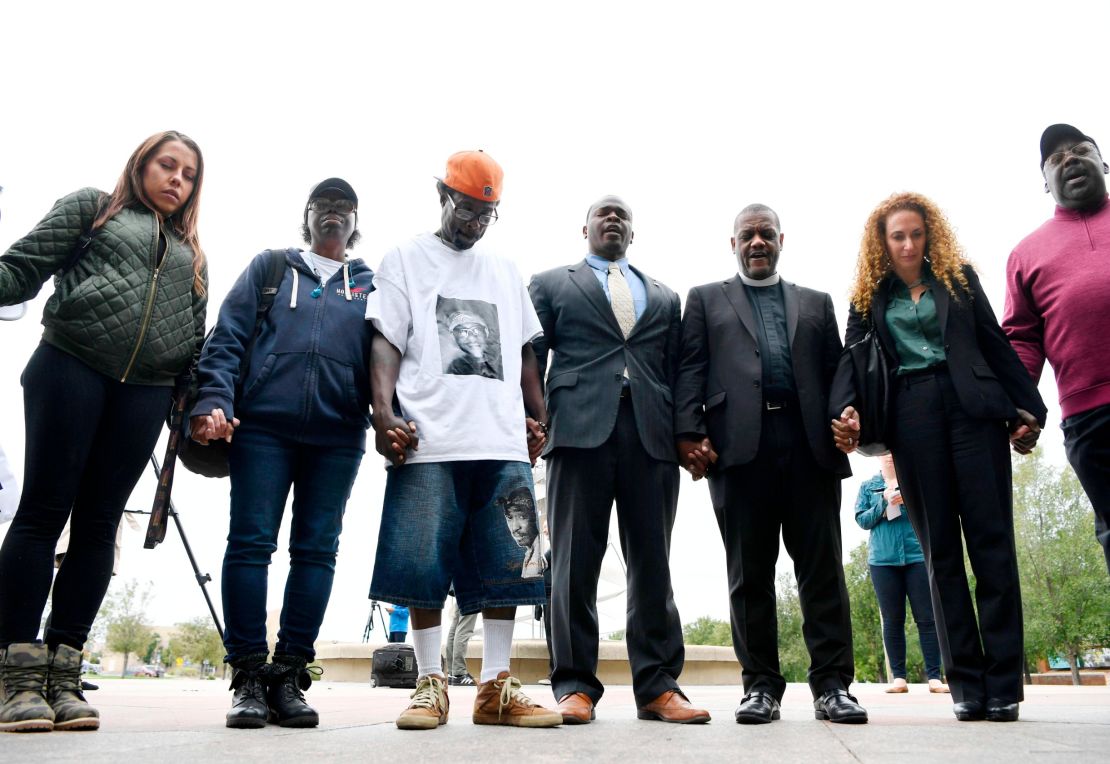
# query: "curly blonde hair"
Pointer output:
{"type": "Point", "coordinates": [945, 256]}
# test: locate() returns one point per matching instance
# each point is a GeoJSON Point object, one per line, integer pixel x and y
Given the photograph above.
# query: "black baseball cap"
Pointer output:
{"type": "Point", "coordinates": [338, 184]}
{"type": "Point", "coordinates": [1053, 134]}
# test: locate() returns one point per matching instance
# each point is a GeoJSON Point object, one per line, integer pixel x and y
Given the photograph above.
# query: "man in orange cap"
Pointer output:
{"type": "Point", "coordinates": [458, 440]}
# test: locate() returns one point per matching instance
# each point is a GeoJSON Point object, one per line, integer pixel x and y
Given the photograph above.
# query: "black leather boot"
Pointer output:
{"type": "Point", "coordinates": [248, 705]}
{"type": "Point", "coordinates": [286, 678]}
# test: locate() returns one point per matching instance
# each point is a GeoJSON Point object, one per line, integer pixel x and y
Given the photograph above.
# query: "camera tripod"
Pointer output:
{"type": "Point", "coordinates": [375, 607]}
{"type": "Point", "coordinates": [202, 578]}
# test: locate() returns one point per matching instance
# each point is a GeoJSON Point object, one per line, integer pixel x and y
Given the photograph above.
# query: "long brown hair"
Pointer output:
{"type": "Point", "coordinates": [129, 193]}
{"type": "Point", "coordinates": [945, 255]}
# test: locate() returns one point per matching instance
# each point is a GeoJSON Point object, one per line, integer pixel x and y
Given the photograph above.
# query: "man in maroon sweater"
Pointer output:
{"type": "Point", "coordinates": [1058, 306]}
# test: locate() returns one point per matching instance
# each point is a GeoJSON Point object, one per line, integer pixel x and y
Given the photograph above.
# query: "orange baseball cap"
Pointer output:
{"type": "Point", "coordinates": [476, 174]}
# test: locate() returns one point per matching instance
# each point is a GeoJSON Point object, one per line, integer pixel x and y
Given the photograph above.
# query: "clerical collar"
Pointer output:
{"type": "Point", "coordinates": [769, 281]}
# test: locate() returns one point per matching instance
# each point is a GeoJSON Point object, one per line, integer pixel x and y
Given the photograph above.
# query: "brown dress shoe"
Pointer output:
{"type": "Point", "coordinates": [576, 708]}
{"type": "Point", "coordinates": [672, 706]}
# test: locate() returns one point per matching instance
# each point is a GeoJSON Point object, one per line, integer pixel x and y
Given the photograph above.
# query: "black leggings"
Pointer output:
{"type": "Point", "coordinates": [88, 440]}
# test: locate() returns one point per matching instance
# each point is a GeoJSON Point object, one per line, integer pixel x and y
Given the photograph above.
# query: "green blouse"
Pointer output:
{"type": "Point", "coordinates": [914, 326]}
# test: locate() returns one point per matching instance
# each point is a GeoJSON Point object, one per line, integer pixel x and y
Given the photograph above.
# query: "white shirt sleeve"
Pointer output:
{"type": "Point", "coordinates": [530, 327]}
{"type": "Point", "coordinates": [388, 306]}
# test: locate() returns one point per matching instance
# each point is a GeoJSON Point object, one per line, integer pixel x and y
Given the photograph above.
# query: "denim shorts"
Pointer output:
{"type": "Point", "coordinates": [448, 522]}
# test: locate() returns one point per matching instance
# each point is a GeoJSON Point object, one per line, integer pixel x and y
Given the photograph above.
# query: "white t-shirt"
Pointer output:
{"type": "Point", "coordinates": [325, 267]}
{"type": "Point", "coordinates": [459, 320]}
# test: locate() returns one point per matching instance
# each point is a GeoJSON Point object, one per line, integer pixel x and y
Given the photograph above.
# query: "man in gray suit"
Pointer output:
{"type": "Point", "coordinates": [751, 400]}
{"type": "Point", "coordinates": [613, 333]}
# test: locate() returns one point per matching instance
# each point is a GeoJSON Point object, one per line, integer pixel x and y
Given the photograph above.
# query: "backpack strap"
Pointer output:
{"type": "Point", "coordinates": [275, 272]}
{"type": "Point", "coordinates": [84, 241]}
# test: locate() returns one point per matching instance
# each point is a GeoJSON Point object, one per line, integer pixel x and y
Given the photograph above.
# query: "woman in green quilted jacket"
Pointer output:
{"type": "Point", "coordinates": [125, 319]}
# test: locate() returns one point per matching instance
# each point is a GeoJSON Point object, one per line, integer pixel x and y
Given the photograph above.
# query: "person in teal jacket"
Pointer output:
{"type": "Point", "coordinates": [897, 572]}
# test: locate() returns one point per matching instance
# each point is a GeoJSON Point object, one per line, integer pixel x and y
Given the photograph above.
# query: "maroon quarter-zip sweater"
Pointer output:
{"type": "Point", "coordinates": [1058, 305]}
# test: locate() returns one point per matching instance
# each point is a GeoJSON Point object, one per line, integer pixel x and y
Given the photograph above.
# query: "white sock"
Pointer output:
{"type": "Point", "coordinates": [497, 642]}
{"type": "Point", "coordinates": [426, 643]}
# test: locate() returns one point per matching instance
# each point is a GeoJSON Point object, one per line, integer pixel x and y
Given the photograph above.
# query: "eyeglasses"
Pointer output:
{"type": "Point", "coordinates": [464, 215]}
{"type": "Point", "coordinates": [470, 330]}
{"type": "Point", "coordinates": [1086, 148]}
{"type": "Point", "coordinates": [342, 206]}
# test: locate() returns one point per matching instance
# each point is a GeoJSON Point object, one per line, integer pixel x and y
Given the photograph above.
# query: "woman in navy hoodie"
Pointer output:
{"type": "Point", "coordinates": [297, 403]}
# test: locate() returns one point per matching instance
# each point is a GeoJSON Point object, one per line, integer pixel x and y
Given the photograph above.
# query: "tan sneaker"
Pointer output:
{"type": "Point", "coordinates": [501, 701]}
{"type": "Point", "coordinates": [429, 705]}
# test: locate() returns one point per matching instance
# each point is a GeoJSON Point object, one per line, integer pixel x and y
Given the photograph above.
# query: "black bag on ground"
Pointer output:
{"type": "Point", "coordinates": [211, 460]}
{"type": "Point", "coordinates": [871, 376]}
{"type": "Point", "coordinates": [394, 666]}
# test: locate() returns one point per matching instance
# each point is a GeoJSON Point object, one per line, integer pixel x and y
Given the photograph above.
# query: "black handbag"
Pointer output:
{"type": "Point", "coordinates": [871, 375]}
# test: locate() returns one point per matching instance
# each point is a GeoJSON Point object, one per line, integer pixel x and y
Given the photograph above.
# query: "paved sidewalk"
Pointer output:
{"type": "Point", "coordinates": [169, 720]}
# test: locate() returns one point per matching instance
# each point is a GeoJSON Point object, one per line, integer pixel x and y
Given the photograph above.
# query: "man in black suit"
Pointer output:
{"type": "Point", "coordinates": [758, 359]}
{"type": "Point", "coordinates": [613, 333]}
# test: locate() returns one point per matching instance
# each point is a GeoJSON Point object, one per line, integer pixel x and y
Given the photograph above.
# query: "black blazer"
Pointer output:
{"type": "Point", "coordinates": [989, 378]}
{"type": "Point", "coordinates": [718, 393]}
{"type": "Point", "coordinates": [590, 353]}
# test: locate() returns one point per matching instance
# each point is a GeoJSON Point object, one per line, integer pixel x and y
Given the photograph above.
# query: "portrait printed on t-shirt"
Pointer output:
{"type": "Point", "coordinates": [524, 526]}
{"type": "Point", "coordinates": [469, 337]}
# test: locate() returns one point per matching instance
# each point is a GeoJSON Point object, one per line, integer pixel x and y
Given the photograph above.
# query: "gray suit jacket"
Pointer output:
{"type": "Point", "coordinates": [589, 354]}
{"type": "Point", "coordinates": [717, 393]}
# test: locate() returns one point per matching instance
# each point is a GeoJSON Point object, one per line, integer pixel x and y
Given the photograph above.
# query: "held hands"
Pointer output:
{"type": "Point", "coordinates": [537, 438]}
{"type": "Point", "coordinates": [696, 456]}
{"type": "Point", "coordinates": [394, 437]}
{"type": "Point", "coordinates": [214, 426]}
{"type": "Point", "coordinates": [1024, 432]}
{"type": "Point", "coordinates": [846, 430]}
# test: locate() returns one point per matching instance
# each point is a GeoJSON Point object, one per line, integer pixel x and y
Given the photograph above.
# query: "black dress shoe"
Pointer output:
{"type": "Point", "coordinates": [840, 707]}
{"type": "Point", "coordinates": [757, 708]}
{"type": "Point", "coordinates": [1001, 711]}
{"type": "Point", "coordinates": [969, 710]}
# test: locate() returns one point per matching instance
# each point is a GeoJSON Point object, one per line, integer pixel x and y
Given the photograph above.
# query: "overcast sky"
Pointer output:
{"type": "Point", "coordinates": [689, 111]}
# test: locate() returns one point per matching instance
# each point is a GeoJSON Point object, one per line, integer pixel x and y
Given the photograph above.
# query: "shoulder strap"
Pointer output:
{"type": "Point", "coordinates": [275, 272]}
{"type": "Point", "coordinates": [275, 260]}
{"type": "Point", "coordinates": [84, 241]}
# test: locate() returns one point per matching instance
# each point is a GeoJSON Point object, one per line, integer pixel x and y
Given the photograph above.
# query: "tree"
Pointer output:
{"type": "Point", "coordinates": [152, 649]}
{"type": "Point", "coordinates": [1065, 599]}
{"type": "Point", "coordinates": [124, 612]}
{"type": "Point", "coordinates": [793, 655]}
{"type": "Point", "coordinates": [867, 630]}
{"type": "Point", "coordinates": [707, 631]}
{"type": "Point", "coordinates": [198, 641]}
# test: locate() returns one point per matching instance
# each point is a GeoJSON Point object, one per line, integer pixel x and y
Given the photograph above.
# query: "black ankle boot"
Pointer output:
{"type": "Point", "coordinates": [286, 678]}
{"type": "Point", "coordinates": [248, 705]}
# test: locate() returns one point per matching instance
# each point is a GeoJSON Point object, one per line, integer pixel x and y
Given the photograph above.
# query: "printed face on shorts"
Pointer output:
{"type": "Point", "coordinates": [520, 516]}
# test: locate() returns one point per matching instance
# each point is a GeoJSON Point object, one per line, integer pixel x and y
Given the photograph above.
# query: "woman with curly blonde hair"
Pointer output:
{"type": "Point", "coordinates": [955, 381]}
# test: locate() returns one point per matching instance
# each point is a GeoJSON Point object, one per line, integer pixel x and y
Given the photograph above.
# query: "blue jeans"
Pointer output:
{"type": "Point", "coordinates": [263, 468]}
{"type": "Point", "coordinates": [893, 583]}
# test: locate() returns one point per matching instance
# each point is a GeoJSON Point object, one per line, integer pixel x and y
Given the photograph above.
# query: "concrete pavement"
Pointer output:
{"type": "Point", "coordinates": [170, 720]}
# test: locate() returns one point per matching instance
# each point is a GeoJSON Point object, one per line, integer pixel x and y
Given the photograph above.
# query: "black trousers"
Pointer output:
{"type": "Point", "coordinates": [582, 485]}
{"type": "Point", "coordinates": [783, 488]}
{"type": "Point", "coordinates": [1087, 441]}
{"type": "Point", "coordinates": [954, 472]}
{"type": "Point", "coordinates": [88, 440]}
